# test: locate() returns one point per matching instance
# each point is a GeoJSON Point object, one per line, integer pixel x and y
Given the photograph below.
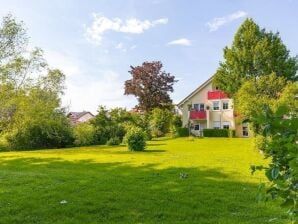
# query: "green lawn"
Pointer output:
{"type": "Point", "coordinates": [103, 184]}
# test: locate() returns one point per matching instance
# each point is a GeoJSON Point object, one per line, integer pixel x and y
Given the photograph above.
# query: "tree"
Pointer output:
{"type": "Point", "coordinates": [254, 53]}
{"type": "Point", "coordinates": [268, 90]}
{"type": "Point", "coordinates": [160, 121]}
{"type": "Point", "coordinates": [110, 124]}
{"type": "Point", "coordinates": [151, 86]}
{"type": "Point", "coordinates": [30, 93]}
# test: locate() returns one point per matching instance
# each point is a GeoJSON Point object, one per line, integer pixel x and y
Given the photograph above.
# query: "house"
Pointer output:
{"type": "Point", "coordinates": [79, 117]}
{"type": "Point", "coordinates": [209, 107]}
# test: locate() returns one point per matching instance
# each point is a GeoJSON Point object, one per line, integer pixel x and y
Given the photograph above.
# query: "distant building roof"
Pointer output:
{"type": "Point", "coordinates": [75, 116]}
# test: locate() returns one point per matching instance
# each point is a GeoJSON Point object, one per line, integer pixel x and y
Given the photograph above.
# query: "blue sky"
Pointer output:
{"type": "Point", "coordinates": [95, 42]}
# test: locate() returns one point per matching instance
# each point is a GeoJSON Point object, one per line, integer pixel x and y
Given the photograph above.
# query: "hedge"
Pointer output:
{"type": "Point", "coordinates": [182, 132]}
{"type": "Point", "coordinates": [216, 132]}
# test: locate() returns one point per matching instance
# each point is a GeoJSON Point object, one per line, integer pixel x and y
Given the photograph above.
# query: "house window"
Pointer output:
{"type": "Point", "coordinates": [199, 106]}
{"type": "Point", "coordinates": [215, 105]}
{"type": "Point", "coordinates": [197, 127]}
{"type": "Point", "coordinates": [244, 130]}
{"type": "Point", "coordinates": [196, 106]}
{"type": "Point", "coordinates": [216, 124]}
{"type": "Point", "coordinates": [226, 125]}
{"type": "Point", "coordinates": [225, 105]}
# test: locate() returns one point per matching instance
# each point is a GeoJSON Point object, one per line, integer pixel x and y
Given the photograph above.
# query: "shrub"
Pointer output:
{"type": "Point", "coordinates": [160, 121]}
{"type": "Point", "coordinates": [114, 141]}
{"type": "Point", "coordinates": [177, 121]}
{"type": "Point", "coordinates": [135, 139]}
{"type": "Point", "coordinates": [232, 133]}
{"type": "Point", "coordinates": [260, 142]}
{"type": "Point", "coordinates": [84, 134]}
{"type": "Point", "coordinates": [216, 133]}
{"type": "Point", "coordinates": [101, 136]}
{"type": "Point", "coordinates": [182, 132]}
{"type": "Point", "coordinates": [55, 133]}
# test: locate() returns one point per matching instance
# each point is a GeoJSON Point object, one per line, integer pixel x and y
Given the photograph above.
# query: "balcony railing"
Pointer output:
{"type": "Point", "coordinates": [197, 115]}
{"type": "Point", "coordinates": [217, 94]}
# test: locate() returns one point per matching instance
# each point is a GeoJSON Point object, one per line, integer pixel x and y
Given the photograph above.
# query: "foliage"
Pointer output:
{"type": "Point", "coordinates": [254, 53]}
{"type": "Point", "coordinates": [135, 139]}
{"type": "Point", "coordinates": [160, 121]}
{"type": "Point", "coordinates": [142, 120]}
{"type": "Point", "coordinates": [114, 141]}
{"type": "Point", "coordinates": [84, 134]}
{"type": "Point", "coordinates": [54, 132]}
{"type": "Point", "coordinates": [151, 86]}
{"type": "Point", "coordinates": [182, 132]}
{"type": "Point", "coordinates": [215, 132]}
{"type": "Point", "coordinates": [280, 136]}
{"type": "Point", "coordinates": [232, 133]}
{"type": "Point", "coordinates": [30, 113]}
{"type": "Point", "coordinates": [109, 124]}
{"type": "Point", "coordinates": [177, 121]}
{"type": "Point", "coordinates": [269, 90]}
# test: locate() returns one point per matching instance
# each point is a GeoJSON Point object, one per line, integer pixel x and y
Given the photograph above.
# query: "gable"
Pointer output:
{"type": "Point", "coordinates": [199, 93]}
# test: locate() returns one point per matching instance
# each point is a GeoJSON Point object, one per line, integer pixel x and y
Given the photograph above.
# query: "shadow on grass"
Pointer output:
{"type": "Point", "coordinates": [32, 190]}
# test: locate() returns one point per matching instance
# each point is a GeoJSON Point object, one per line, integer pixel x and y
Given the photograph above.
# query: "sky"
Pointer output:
{"type": "Point", "coordinates": [95, 42]}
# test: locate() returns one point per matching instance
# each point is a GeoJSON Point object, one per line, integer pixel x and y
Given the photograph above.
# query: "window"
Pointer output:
{"type": "Point", "coordinates": [197, 127]}
{"type": "Point", "coordinates": [196, 106]}
{"type": "Point", "coordinates": [225, 105]}
{"type": "Point", "coordinates": [216, 124]}
{"type": "Point", "coordinates": [244, 130]}
{"type": "Point", "coordinates": [215, 105]}
{"type": "Point", "coordinates": [226, 125]}
{"type": "Point", "coordinates": [199, 106]}
{"type": "Point", "coordinates": [202, 107]}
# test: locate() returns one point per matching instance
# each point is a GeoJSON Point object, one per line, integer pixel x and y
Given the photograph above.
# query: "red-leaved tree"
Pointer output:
{"type": "Point", "coordinates": [151, 86]}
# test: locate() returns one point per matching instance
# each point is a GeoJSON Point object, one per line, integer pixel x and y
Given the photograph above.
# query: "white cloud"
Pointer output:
{"type": "Point", "coordinates": [102, 24]}
{"type": "Point", "coordinates": [182, 41]}
{"type": "Point", "coordinates": [217, 22]}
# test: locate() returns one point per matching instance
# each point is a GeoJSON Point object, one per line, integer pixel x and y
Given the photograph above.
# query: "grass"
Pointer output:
{"type": "Point", "coordinates": [173, 181]}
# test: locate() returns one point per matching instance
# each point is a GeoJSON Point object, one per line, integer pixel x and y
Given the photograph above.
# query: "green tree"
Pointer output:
{"type": "Point", "coordinates": [110, 124]}
{"type": "Point", "coordinates": [254, 53]}
{"type": "Point", "coordinates": [30, 93]}
{"type": "Point", "coordinates": [268, 90]}
{"type": "Point", "coordinates": [160, 121]}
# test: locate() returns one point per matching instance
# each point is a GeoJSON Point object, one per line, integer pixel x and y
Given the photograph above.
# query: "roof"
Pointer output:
{"type": "Point", "coordinates": [77, 115]}
{"type": "Point", "coordinates": [195, 91]}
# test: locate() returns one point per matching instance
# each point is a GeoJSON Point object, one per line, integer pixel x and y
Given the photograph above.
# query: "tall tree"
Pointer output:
{"type": "Point", "coordinates": [151, 85]}
{"type": "Point", "coordinates": [30, 92]}
{"type": "Point", "coordinates": [254, 53]}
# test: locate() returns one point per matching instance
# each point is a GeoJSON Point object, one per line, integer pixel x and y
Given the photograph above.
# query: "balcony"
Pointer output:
{"type": "Point", "coordinates": [216, 95]}
{"type": "Point", "coordinates": [197, 115]}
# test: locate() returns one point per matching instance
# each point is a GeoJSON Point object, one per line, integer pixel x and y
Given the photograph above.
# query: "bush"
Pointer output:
{"type": "Point", "coordinates": [182, 132]}
{"type": "Point", "coordinates": [260, 142]}
{"type": "Point", "coordinates": [135, 138]}
{"type": "Point", "coordinates": [114, 141]}
{"type": "Point", "coordinates": [55, 133]}
{"type": "Point", "coordinates": [160, 121]}
{"type": "Point", "coordinates": [216, 132]}
{"type": "Point", "coordinates": [84, 134]}
{"type": "Point", "coordinates": [232, 133]}
{"type": "Point", "coordinates": [177, 121]}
